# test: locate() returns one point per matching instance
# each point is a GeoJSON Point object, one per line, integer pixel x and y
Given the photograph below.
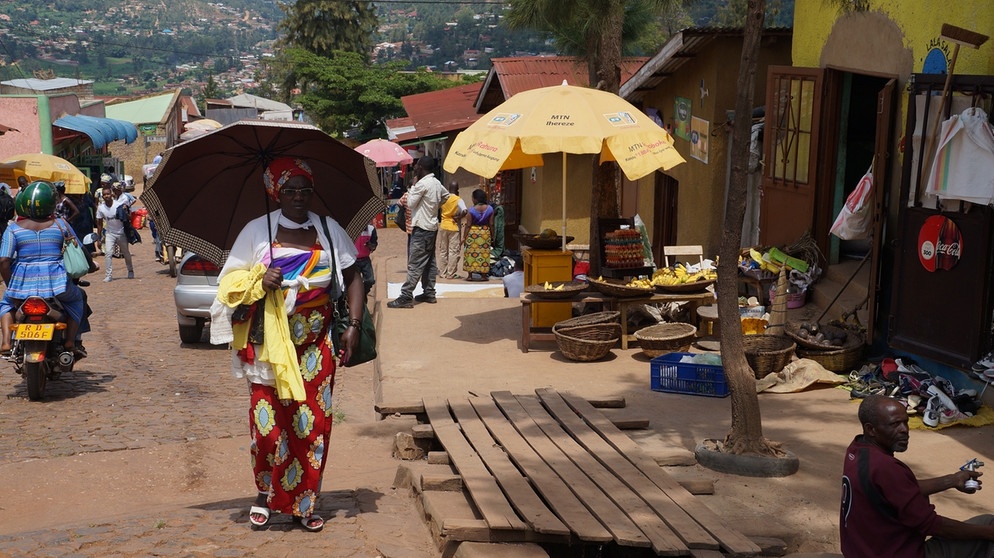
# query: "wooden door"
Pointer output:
{"type": "Point", "coordinates": [664, 215]}
{"type": "Point", "coordinates": [881, 164]}
{"type": "Point", "coordinates": [790, 143]}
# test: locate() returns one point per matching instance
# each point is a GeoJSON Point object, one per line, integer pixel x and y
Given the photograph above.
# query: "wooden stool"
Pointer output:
{"type": "Point", "coordinates": [707, 317]}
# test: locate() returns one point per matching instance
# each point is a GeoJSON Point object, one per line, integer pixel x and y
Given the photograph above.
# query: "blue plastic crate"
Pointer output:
{"type": "Point", "coordinates": [668, 374]}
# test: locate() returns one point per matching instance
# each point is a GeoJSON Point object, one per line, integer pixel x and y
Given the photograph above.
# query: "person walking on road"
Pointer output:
{"type": "Point", "coordinates": [885, 509]}
{"type": "Point", "coordinates": [108, 222]}
{"type": "Point", "coordinates": [275, 305]}
{"type": "Point", "coordinates": [423, 200]}
{"type": "Point", "coordinates": [449, 239]}
{"type": "Point", "coordinates": [477, 237]}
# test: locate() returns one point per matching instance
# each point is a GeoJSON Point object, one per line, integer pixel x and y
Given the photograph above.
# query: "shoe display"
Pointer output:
{"type": "Point", "coordinates": [985, 363]}
{"type": "Point", "coordinates": [931, 417]}
{"type": "Point", "coordinates": [425, 298]}
{"type": "Point", "coordinates": [401, 303]}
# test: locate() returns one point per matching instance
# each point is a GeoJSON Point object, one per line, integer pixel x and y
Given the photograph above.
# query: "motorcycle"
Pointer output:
{"type": "Point", "coordinates": [37, 348]}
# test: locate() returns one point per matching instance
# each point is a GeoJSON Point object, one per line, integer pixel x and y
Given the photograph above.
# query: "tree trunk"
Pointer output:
{"type": "Point", "coordinates": [605, 66]}
{"type": "Point", "coordinates": [746, 433]}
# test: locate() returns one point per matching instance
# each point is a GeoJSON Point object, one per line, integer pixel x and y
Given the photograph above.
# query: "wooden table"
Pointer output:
{"type": "Point", "coordinates": [529, 334]}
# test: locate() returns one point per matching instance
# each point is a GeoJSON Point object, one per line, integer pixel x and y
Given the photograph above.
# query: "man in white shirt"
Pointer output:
{"type": "Point", "coordinates": [514, 282]}
{"type": "Point", "coordinates": [108, 222]}
{"type": "Point", "coordinates": [423, 200]}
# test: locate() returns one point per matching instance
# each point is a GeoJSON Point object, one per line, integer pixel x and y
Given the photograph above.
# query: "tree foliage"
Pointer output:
{"type": "Point", "coordinates": [345, 95]}
{"type": "Point", "coordinates": [326, 26]}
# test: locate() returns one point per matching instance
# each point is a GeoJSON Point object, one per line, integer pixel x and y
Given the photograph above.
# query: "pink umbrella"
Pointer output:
{"type": "Point", "coordinates": [385, 153]}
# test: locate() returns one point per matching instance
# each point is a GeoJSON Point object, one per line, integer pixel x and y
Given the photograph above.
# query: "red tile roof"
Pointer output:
{"type": "Point", "coordinates": [438, 112]}
{"type": "Point", "coordinates": [514, 75]}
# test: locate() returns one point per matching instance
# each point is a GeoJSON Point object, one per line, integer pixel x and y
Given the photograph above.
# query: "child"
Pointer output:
{"type": "Point", "coordinates": [366, 244]}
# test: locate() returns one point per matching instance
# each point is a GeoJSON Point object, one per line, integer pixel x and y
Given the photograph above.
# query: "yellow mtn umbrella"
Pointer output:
{"type": "Point", "coordinates": [41, 166]}
{"type": "Point", "coordinates": [567, 119]}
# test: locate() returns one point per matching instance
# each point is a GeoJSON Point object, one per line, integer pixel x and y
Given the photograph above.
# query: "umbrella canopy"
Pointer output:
{"type": "Point", "coordinates": [385, 153]}
{"type": "Point", "coordinates": [563, 119]}
{"type": "Point", "coordinates": [202, 124]}
{"type": "Point", "coordinates": [41, 166]}
{"type": "Point", "coordinates": [205, 190]}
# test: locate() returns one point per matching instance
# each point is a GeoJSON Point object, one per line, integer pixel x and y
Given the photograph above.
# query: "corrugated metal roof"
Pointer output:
{"type": "Point", "coordinates": [438, 112]}
{"type": "Point", "coordinates": [514, 75]}
{"type": "Point", "coordinates": [400, 129]}
{"type": "Point", "coordinates": [680, 49]}
{"type": "Point", "coordinates": [35, 84]}
{"type": "Point", "coordinates": [149, 110]}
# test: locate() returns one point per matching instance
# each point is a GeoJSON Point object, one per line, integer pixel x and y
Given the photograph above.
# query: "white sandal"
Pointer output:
{"type": "Point", "coordinates": [258, 510]}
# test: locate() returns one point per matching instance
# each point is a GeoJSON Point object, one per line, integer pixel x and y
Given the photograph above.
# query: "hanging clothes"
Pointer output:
{"type": "Point", "coordinates": [964, 160]}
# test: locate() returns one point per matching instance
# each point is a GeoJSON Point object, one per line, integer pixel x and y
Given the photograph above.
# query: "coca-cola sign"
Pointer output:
{"type": "Point", "coordinates": [940, 243]}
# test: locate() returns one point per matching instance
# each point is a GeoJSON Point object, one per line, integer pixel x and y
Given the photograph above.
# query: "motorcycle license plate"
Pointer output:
{"type": "Point", "coordinates": [42, 332]}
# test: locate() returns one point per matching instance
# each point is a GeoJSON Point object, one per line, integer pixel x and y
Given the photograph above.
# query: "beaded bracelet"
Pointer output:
{"type": "Point", "coordinates": [356, 323]}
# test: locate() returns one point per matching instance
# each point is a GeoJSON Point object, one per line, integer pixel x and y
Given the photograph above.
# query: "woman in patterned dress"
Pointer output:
{"type": "Point", "coordinates": [286, 256]}
{"type": "Point", "coordinates": [31, 265]}
{"type": "Point", "coordinates": [479, 222]}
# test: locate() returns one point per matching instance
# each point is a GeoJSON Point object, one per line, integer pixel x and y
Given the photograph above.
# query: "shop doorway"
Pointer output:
{"type": "Point", "coordinates": [664, 217]}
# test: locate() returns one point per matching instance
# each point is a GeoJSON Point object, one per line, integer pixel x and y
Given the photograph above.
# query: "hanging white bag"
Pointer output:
{"type": "Point", "coordinates": [855, 221]}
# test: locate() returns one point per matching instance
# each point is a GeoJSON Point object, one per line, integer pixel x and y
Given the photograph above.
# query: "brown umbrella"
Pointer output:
{"type": "Point", "coordinates": [205, 190]}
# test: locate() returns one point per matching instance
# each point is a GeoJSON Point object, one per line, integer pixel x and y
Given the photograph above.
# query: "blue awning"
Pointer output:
{"type": "Point", "coordinates": [101, 130]}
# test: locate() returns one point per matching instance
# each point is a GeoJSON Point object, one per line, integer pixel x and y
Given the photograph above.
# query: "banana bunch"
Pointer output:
{"type": "Point", "coordinates": [640, 283]}
{"type": "Point", "coordinates": [678, 275]}
{"type": "Point", "coordinates": [548, 286]}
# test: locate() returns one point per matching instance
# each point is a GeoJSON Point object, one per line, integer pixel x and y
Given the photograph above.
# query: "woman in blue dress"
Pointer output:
{"type": "Point", "coordinates": [31, 264]}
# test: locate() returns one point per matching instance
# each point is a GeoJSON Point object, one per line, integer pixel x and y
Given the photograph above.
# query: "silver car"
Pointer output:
{"type": "Point", "coordinates": [195, 291]}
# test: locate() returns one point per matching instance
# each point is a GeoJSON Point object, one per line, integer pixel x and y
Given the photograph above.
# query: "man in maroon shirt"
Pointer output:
{"type": "Point", "coordinates": [885, 509]}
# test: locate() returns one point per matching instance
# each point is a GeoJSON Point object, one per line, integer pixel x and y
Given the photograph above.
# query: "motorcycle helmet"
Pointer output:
{"type": "Point", "coordinates": [36, 200]}
{"type": "Point", "coordinates": [106, 179]}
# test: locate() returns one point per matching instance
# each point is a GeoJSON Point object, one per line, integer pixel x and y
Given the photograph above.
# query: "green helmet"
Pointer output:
{"type": "Point", "coordinates": [36, 200]}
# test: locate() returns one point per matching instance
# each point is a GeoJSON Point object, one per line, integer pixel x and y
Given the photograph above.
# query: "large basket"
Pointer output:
{"type": "Point", "coordinates": [569, 289]}
{"type": "Point", "coordinates": [589, 342]}
{"type": "Point", "coordinates": [792, 329]}
{"type": "Point", "coordinates": [619, 289]}
{"type": "Point", "coordinates": [536, 241]}
{"type": "Point", "coordinates": [767, 354]}
{"type": "Point", "coordinates": [695, 287]}
{"type": "Point", "coordinates": [607, 317]}
{"type": "Point", "coordinates": [843, 360]}
{"type": "Point", "coordinates": [665, 338]}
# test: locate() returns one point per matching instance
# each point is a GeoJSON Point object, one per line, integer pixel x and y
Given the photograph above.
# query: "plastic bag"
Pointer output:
{"type": "Point", "coordinates": [855, 221]}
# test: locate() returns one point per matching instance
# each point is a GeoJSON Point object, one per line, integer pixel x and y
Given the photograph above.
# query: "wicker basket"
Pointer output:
{"type": "Point", "coordinates": [569, 290]}
{"type": "Point", "coordinates": [767, 354]}
{"type": "Point", "coordinates": [792, 329]}
{"type": "Point", "coordinates": [695, 287]}
{"type": "Point", "coordinates": [665, 338]}
{"type": "Point", "coordinates": [843, 360]}
{"type": "Point", "coordinates": [620, 290]}
{"type": "Point", "coordinates": [589, 342]}
{"type": "Point", "coordinates": [611, 316]}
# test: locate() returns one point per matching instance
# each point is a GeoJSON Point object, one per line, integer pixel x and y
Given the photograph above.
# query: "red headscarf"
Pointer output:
{"type": "Point", "coordinates": [281, 170]}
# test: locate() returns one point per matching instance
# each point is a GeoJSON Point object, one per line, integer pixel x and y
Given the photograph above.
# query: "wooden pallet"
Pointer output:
{"type": "Point", "coordinates": [552, 468]}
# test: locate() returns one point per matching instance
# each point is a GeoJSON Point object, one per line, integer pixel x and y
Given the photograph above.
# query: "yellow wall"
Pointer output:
{"type": "Point", "coordinates": [701, 197]}
{"type": "Point", "coordinates": [542, 200]}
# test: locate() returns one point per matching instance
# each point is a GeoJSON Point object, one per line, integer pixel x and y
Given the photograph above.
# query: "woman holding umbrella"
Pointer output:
{"type": "Point", "coordinates": [278, 289]}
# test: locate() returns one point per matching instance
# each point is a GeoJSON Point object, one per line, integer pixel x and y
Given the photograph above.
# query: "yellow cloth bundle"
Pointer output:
{"type": "Point", "coordinates": [245, 287]}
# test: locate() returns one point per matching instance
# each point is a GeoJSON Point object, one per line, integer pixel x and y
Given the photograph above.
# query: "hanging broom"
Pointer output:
{"type": "Point", "coordinates": [958, 36]}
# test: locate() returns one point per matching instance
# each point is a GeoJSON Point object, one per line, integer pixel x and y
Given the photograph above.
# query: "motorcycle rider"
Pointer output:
{"type": "Point", "coordinates": [31, 265]}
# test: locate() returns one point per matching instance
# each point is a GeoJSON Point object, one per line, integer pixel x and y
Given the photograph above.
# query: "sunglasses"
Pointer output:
{"type": "Point", "coordinates": [294, 191]}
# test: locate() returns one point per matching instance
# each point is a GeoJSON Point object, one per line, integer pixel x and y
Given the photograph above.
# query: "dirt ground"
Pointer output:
{"type": "Point", "coordinates": [143, 450]}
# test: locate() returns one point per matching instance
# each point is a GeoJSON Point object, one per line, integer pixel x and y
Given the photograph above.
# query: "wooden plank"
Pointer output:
{"type": "Point", "coordinates": [423, 431]}
{"type": "Point", "coordinates": [624, 530]}
{"type": "Point", "coordinates": [442, 483]}
{"type": "Point", "coordinates": [663, 539]}
{"type": "Point", "coordinates": [412, 408]}
{"type": "Point", "coordinates": [731, 540]}
{"type": "Point", "coordinates": [517, 489]}
{"type": "Point", "coordinates": [559, 496]}
{"type": "Point", "coordinates": [610, 402]}
{"type": "Point", "coordinates": [689, 531]}
{"type": "Point", "coordinates": [487, 496]}
{"type": "Point", "coordinates": [698, 487]}
{"type": "Point", "coordinates": [623, 423]}
{"type": "Point", "coordinates": [438, 458]}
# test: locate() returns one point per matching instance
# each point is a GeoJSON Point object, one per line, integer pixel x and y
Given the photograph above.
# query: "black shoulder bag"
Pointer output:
{"type": "Point", "coordinates": [366, 349]}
